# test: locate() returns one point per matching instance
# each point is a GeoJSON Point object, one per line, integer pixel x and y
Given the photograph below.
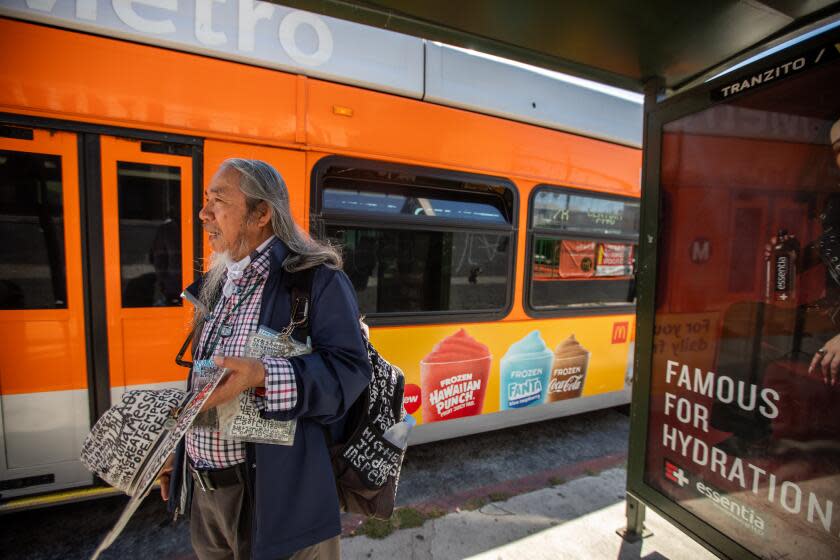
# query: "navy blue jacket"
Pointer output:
{"type": "Point", "coordinates": [296, 504]}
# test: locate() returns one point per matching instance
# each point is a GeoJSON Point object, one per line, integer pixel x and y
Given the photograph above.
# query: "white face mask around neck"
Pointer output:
{"type": "Point", "coordinates": [235, 270]}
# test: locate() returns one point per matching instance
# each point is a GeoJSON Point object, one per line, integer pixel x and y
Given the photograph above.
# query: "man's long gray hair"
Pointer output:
{"type": "Point", "coordinates": [260, 182]}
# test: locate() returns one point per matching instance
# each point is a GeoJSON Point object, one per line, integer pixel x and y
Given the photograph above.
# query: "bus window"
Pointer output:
{"type": "Point", "coordinates": [32, 228]}
{"type": "Point", "coordinates": [583, 250]}
{"type": "Point", "coordinates": [420, 242]}
{"type": "Point", "coordinates": [150, 234]}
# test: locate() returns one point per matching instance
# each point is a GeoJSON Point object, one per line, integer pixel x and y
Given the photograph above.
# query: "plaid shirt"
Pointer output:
{"type": "Point", "coordinates": [206, 449]}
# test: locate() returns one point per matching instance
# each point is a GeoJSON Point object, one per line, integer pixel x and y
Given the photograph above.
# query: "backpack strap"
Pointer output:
{"type": "Point", "coordinates": [300, 286]}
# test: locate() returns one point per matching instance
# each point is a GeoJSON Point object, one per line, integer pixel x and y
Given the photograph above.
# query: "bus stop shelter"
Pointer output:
{"type": "Point", "coordinates": [732, 436]}
{"type": "Point", "coordinates": [618, 43]}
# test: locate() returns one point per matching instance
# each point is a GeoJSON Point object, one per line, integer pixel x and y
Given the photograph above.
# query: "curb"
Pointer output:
{"type": "Point", "coordinates": [452, 502]}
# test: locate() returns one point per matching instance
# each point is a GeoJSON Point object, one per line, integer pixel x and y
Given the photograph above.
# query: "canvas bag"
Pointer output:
{"type": "Point", "coordinates": [366, 466]}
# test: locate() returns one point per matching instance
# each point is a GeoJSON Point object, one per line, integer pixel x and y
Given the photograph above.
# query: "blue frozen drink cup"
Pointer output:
{"type": "Point", "coordinates": [525, 369]}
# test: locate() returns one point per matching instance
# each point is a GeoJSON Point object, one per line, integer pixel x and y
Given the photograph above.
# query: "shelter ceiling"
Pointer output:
{"type": "Point", "coordinates": [617, 42]}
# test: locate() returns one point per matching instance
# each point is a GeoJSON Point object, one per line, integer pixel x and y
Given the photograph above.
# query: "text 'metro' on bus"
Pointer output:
{"type": "Point", "coordinates": [481, 206]}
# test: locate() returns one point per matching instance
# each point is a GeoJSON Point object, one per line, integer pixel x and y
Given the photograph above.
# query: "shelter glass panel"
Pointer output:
{"type": "Point", "coordinates": [743, 427]}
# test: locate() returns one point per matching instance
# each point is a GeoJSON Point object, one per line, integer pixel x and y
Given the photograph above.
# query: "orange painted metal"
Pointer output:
{"type": "Point", "coordinates": [190, 94]}
{"type": "Point", "coordinates": [142, 342]}
{"type": "Point", "coordinates": [386, 126]}
{"type": "Point", "coordinates": [77, 76]}
{"type": "Point", "coordinates": [44, 349]}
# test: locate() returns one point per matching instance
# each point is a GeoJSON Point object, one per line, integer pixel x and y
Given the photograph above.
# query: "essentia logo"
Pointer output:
{"type": "Point", "coordinates": [781, 273]}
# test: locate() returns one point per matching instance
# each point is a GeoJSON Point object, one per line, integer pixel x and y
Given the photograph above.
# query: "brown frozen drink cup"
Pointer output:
{"type": "Point", "coordinates": [568, 371]}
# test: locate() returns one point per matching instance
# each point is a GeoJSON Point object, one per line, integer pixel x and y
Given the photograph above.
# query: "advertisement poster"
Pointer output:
{"type": "Point", "coordinates": [577, 259]}
{"type": "Point", "coordinates": [744, 421]}
{"type": "Point", "coordinates": [457, 371]}
{"type": "Point", "coordinates": [614, 259]}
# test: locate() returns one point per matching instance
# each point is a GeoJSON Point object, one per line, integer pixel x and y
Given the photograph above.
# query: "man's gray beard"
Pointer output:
{"type": "Point", "coordinates": [215, 276]}
{"type": "Point", "coordinates": [211, 286]}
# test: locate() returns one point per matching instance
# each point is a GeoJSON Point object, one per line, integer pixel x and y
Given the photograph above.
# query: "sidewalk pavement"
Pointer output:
{"type": "Point", "coordinates": [577, 519]}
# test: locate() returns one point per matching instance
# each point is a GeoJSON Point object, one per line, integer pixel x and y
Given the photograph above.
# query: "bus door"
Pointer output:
{"type": "Point", "coordinates": [44, 397]}
{"type": "Point", "coordinates": [147, 224]}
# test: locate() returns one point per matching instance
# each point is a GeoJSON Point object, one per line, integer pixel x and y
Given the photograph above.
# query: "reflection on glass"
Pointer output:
{"type": "Point", "coordinates": [460, 206]}
{"type": "Point", "coordinates": [150, 234]}
{"type": "Point", "coordinates": [574, 272]}
{"type": "Point", "coordinates": [32, 271]}
{"type": "Point", "coordinates": [561, 259]}
{"type": "Point", "coordinates": [557, 209]}
{"type": "Point", "coordinates": [744, 427]}
{"type": "Point", "coordinates": [412, 271]}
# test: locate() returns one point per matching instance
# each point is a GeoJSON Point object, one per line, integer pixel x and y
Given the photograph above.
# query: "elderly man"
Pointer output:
{"type": "Point", "coordinates": [264, 500]}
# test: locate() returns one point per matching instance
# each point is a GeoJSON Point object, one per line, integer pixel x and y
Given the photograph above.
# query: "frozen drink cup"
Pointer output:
{"type": "Point", "coordinates": [568, 372]}
{"type": "Point", "coordinates": [454, 378]}
{"type": "Point", "coordinates": [525, 370]}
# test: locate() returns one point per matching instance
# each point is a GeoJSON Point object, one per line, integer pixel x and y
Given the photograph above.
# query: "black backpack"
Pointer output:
{"type": "Point", "coordinates": [366, 465]}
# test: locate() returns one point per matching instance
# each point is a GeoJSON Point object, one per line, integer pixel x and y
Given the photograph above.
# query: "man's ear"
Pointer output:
{"type": "Point", "coordinates": [263, 214]}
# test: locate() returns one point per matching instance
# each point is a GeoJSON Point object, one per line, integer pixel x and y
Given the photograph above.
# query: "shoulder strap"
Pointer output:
{"type": "Point", "coordinates": [300, 286]}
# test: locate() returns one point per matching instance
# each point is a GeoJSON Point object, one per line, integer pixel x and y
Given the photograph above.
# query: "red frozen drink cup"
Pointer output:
{"type": "Point", "coordinates": [454, 378]}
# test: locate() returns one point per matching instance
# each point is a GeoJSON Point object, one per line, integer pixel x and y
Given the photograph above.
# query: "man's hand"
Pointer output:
{"type": "Point", "coordinates": [243, 373]}
{"type": "Point", "coordinates": [827, 361]}
{"type": "Point", "coordinates": [164, 477]}
{"type": "Point", "coordinates": [773, 240]}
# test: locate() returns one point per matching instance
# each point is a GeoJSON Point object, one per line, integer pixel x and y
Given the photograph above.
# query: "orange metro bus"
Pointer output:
{"type": "Point", "coordinates": [477, 202]}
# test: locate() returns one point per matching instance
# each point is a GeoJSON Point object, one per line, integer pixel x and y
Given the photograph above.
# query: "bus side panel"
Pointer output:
{"type": "Point", "coordinates": [518, 312]}
{"type": "Point", "coordinates": [147, 260]}
{"type": "Point", "coordinates": [363, 122]}
{"type": "Point", "coordinates": [76, 76]}
{"type": "Point", "coordinates": [44, 408]}
{"type": "Point", "coordinates": [603, 360]}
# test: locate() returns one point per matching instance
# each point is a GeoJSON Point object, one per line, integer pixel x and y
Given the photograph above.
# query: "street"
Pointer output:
{"type": "Point", "coordinates": [432, 473]}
